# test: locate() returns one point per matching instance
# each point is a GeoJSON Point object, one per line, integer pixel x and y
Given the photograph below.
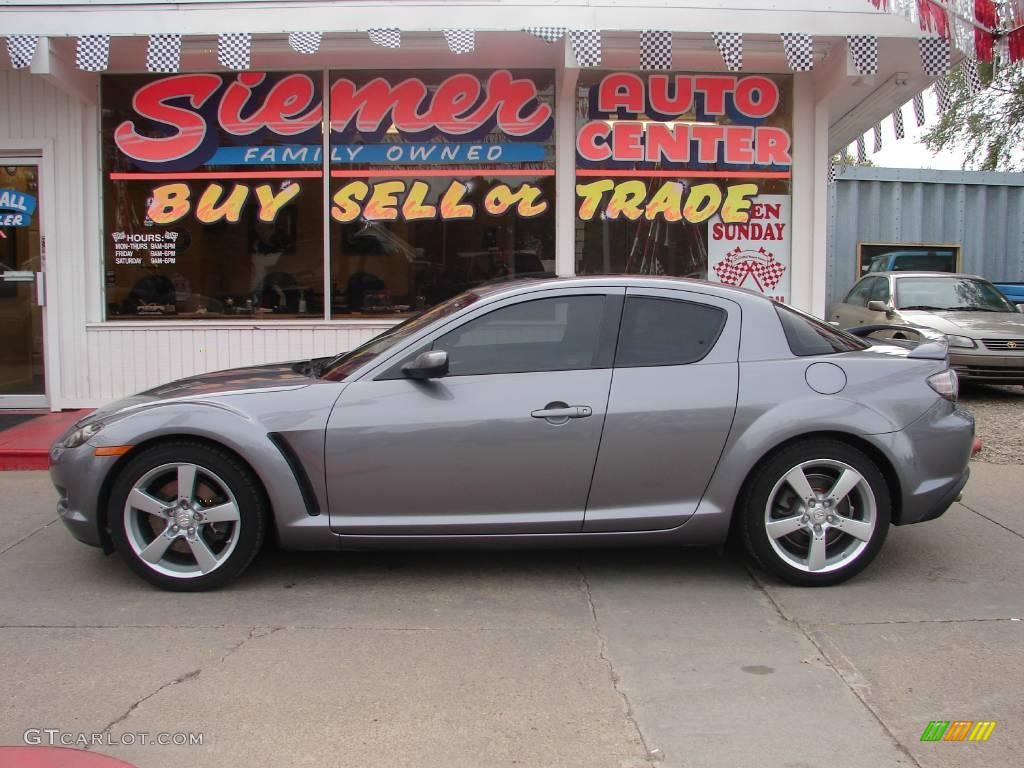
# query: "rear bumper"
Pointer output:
{"type": "Point", "coordinates": [988, 369]}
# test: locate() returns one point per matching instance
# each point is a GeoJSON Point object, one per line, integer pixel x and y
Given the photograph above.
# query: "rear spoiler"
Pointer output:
{"type": "Point", "coordinates": [932, 345]}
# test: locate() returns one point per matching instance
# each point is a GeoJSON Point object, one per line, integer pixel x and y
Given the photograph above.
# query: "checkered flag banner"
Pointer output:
{"type": "Point", "coordinates": [862, 153]}
{"type": "Point", "coordinates": [655, 49]}
{"type": "Point", "coordinates": [864, 50]}
{"type": "Point", "coordinates": [163, 53]}
{"type": "Point", "coordinates": [878, 137]}
{"type": "Point", "coordinates": [730, 45]}
{"type": "Point", "coordinates": [832, 171]}
{"type": "Point", "coordinates": [305, 42]}
{"type": "Point", "coordinates": [934, 55]}
{"type": "Point", "coordinates": [548, 34]}
{"type": "Point", "coordinates": [972, 77]}
{"type": "Point", "coordinates": [799, 51]}
{"type": "Point", "coordinates": [234, 49]}
{"type": "Point", "coordinates": [21, 49]}
{"type": "Point", "coordinates": [942, 94]}
{"type": "Point", "coordinates": [919, 117]}
{"type": "Point", "coordinates": [897, 124]}
{"type": "Point", "coordinates": [92, 52]}
{"type": "Point", "coordinates": [460, 40]}
{"type": "Point", "coordinates": [586, 45]}
{"type": "Point", "coordinates": [386, 37]}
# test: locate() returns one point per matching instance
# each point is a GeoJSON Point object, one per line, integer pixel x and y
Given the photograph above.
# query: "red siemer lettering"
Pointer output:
{"type": "Point", "coordinates": [454, 108]}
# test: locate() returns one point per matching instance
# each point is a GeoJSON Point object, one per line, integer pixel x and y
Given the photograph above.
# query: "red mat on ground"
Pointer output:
{"type": "Point", "coordinates": [55, 757]}
{"type": "Point", "coordinates": [27, 445]}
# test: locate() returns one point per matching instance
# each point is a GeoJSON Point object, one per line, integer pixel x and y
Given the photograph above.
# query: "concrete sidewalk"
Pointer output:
{"type": "Point", "coordinates": [613, 658]}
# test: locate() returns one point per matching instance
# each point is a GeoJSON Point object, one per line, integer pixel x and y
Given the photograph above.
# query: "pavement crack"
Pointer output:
{"type": "Point", "coordinates": [986, 517]}
{"type": "Point", "coordinates": [27, 536]}
{"type": "Point", "coordinates": [853, 686]}
{"type": "Point", "coordinates": [650, 755]}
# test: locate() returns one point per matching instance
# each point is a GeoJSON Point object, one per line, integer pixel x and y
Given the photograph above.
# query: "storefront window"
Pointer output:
{"type": "Point", "coordinates": [439, 182]}
{"type": "Point", "coordinates": [685, 175]}
{"type": "Point", "coordinates": [213, 195]}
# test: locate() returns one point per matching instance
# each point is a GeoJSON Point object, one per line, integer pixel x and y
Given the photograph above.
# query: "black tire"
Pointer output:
{"type": "Point", "coordinates": [220, 475]}
{"type": "Point", "coordinates": [869, 503]}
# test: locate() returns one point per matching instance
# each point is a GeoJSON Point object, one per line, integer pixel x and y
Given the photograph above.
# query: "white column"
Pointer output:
{"type": "Point", "coordinates": [803, 257]}
{"type": "Point", "coordinates": [565, 170]}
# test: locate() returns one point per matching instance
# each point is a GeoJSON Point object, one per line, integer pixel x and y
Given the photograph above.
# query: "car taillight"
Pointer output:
{"type": "Point", "coordinates": [945, 383]}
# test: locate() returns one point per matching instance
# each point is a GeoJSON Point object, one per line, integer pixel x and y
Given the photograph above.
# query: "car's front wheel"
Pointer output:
{"type": "Point", "coordinates": [816, 513]}
{"type": "Point", "coordinates": [187, 516]}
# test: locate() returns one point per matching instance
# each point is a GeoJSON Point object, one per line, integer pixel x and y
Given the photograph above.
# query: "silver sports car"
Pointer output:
{"type": "Point", "coordinates": [563, 412]}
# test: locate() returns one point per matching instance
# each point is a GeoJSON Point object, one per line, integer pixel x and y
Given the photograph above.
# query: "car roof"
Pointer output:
{"type": "Point", "coordinates": [522, 285]}
{"type": "Point", "coordinates": [910, 273]}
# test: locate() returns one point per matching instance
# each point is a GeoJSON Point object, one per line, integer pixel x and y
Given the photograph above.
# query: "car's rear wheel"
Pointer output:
{"type": "Point", "coordinates": [816, 513]}
{"type": "Point", "coordinates": [187, 516]}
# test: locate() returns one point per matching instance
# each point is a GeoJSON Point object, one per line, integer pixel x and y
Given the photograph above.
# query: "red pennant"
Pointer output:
{"type": "Point", "coordinates": [933, 18]}
{"type": "Point", "coordinates": [984, 39]}
{"type": "Point", "coordinates": [1016, 44]}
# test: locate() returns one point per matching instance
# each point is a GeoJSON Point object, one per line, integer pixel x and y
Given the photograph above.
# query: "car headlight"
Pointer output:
{"type": "Point", "coordinates": [81, 434]}
{"type": "Point", "coordinates": [961, 341]}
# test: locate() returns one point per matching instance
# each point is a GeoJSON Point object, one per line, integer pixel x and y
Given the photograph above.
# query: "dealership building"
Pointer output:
{"type": "Point", "coordinates": [202, 185]}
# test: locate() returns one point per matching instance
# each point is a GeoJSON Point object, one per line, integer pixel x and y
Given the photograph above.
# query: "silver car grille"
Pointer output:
{"type": "Point", "coordinates": [1004, 345]}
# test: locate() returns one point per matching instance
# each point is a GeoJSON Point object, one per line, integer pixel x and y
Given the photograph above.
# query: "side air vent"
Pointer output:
{"type": "Point", "coordinates": [305, 487]}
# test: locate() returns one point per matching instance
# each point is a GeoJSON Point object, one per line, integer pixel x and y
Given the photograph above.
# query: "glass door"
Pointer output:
{"type": "Point", "coordinates": [22, 380]}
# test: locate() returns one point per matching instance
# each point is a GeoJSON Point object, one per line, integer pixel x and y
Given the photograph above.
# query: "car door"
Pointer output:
{"type": "Point", "coordinates": [670, 409]}
{"type": "Point", "coordinates": [505, 443]}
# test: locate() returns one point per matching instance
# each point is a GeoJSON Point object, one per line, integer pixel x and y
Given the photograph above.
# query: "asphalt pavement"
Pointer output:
{"type": "Point", "coordinates": [617, 658]}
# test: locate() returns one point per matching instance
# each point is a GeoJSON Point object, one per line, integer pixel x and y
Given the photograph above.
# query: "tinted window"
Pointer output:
{"type": "Point", "coordinates": [556, 334]}
{"type": "Point", "coordinates": [667, 332]}
{"type": "Point", "coordinates": [858, 297]}
{"type": "Point", "coordinates": [808, 336]}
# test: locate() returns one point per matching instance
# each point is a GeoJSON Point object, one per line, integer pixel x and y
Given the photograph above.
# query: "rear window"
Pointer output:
{"type": "Point", "coordinates": [808, 336]}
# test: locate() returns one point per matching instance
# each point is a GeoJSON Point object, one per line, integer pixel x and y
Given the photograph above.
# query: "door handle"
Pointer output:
{"type": "Point", "coordinates": [560, 411]}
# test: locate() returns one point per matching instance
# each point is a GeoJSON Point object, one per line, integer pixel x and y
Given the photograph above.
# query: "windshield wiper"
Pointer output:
{"type": "Point", "coordinates": [974, 309]}
{"type": "Point", "coordinates": [925, 306]}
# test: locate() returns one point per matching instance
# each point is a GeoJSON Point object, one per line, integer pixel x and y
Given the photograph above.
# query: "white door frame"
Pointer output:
{"type": "Point", "coordinates": [37, 152]}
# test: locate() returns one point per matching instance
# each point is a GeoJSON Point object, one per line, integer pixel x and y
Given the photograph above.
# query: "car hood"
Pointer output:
{"type": "Point", "coordinates": [969, 323]}
{"type": "Point", "coordinates": [234, 381]}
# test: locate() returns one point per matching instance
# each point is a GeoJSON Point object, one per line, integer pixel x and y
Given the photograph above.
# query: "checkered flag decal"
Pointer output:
{"type": "Point", "coordinates": [919, 117]}
{"type": "Point", "coordinates": [586, 44]}
{"type": "Point", "coordinates": [460, 40]}
{"type": "Point", "coordinates": [164, 53]}
{"type": "Point", "coordinates": [305, 42]}
{"type": "Point", "coordinates": [799, 51]}
{"type": "Point", "coordinates": [233, 50]}
{"type": "Point", "coordinates": [92, 52]}
{"type": "Point", "coordinates": [878, 137]}
{"type": "Point", "coordinates": [386, 37]}
{"type": "Point", "coordinates": [972, 77]}
{"type": "Point", "coordinates": [547, 34]}
{"type": "Point", "coordinates": [862, 153]}
{"type": "Point", "coordinates": [897, 124]}
{"type": "Point", "coordinates": [934, 55]}
{"type": "Point", "coordinates": [730, 45]}
{"type": "Point", "coordinates": [21, 49]}
{"type": "Point", "coordinates": [655, 49]}
{"type": "Point", "coordinates": [864, 50]}
{"type": "Point", "coordinates": [942, 94]}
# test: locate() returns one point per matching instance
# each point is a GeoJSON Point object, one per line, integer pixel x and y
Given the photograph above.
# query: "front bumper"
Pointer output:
{"type": "Point", "coordinates": [78, 477]}
{"type": "Point", "coordinates": [988, 368]}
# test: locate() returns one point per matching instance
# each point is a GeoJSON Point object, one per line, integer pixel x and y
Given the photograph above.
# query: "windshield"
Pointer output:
{"type": "Point", "coordinates": [959, 294]}
{"type": "Point", "coordinates": [342, 365]}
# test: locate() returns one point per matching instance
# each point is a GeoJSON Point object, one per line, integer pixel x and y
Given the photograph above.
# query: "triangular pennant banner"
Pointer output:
{"type": "Point", "coordinates": [655, 49]}
{"type": "Point", "coordinates": [832, 170]}
{"type": "Point", "coordinates": [919, 116]}
{"type": "Point", "coordinates": [586, 45]}
{"type": "Point", "coordinates": [163, 53]}
{"type": "Point", "coordinates": [934, 55]}
{"type": "Point", "coordinates": [799, 51]}
{"type": "Point", "coordinates": [460, 40]}
{"type": "Point", "coordinates": [862, 153]}
{"type": "Point", "coordinates": [389, 37]}
{"type": "Point", "coordinates": [21, 49]}
{"type": "Point", "coordinates": [547, 34]}
{"type": "Point", "coordinates": [234, 50]}
{"type": "Point", "coordinates": [730, 45]}
{"type": "Point", "coordinates": [972, 77]}
{"type": "Point", "coordinates": [307, 43]}
{"type": "Point", "coordinates": [92, 52]}
{"type": "Point", "coordinates": [897, 124]}
{"type": "Point", "coordinates": [864, 51]}
{"type": "Point", "coordinates": [878, 138]}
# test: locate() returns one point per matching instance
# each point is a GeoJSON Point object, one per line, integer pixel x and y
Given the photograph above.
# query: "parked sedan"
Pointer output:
{"type": "Point", "coordinates": [566, 412]}
{"type": "Point", "coordinates": [985, 331]}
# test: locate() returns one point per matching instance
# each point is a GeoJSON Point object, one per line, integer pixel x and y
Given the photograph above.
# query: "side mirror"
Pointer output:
{"type": "Point", "coordinates": [427, 365]}
{"type": "Point", "coordinates": [879, 306]}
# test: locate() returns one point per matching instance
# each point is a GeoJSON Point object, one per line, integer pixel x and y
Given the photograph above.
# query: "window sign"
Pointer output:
{"type": "Point", "coordinates": [754, 254]}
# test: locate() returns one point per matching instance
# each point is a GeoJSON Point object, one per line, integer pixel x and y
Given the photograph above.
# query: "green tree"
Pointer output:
{"type": "Point", "coordinates": [987, 127]}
